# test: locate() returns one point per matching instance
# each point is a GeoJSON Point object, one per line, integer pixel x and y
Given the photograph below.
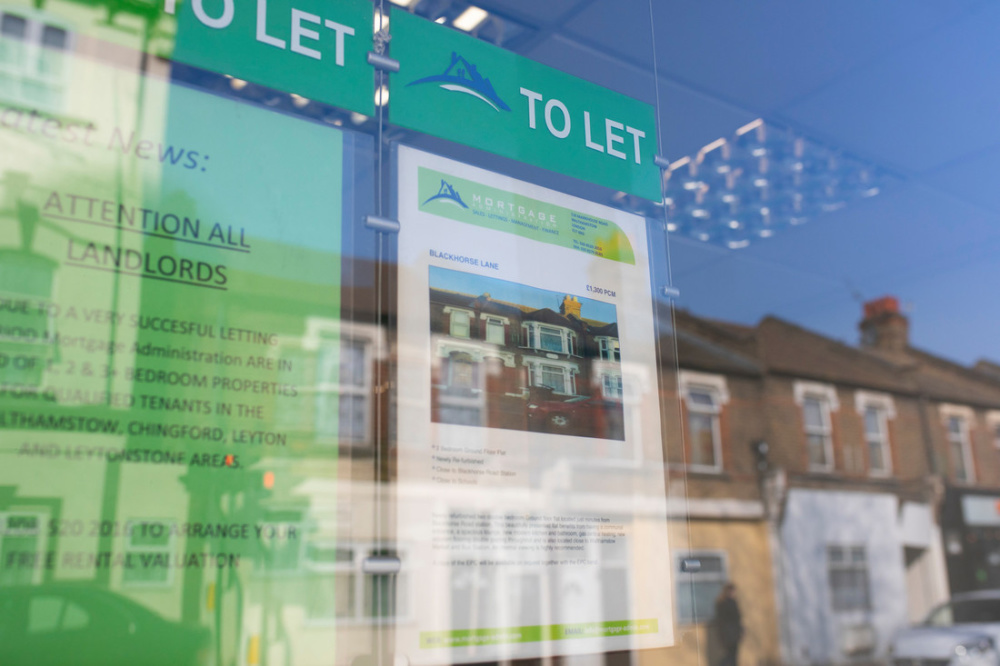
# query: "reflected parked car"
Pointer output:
{"type": "Point", "coordinates": [67, 624]}
{"type": "Point", "coordinates": [581, 416]}
{"type": "Point", "coordinates": [965, 631]}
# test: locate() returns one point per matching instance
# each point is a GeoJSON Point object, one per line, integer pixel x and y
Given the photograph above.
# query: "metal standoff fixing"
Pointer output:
{"type": "Point", "coordinates": [672, 292]}
{"type": "Point", "coordinates": [383, 224]}
{"type": "Point", "coordinates": [381, 565]}
{"type": "Point", "coordinates": [383, 62]}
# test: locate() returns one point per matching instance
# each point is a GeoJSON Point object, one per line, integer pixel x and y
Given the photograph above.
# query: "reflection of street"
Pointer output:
{"type": "Point", "coordinates": [50, 625]}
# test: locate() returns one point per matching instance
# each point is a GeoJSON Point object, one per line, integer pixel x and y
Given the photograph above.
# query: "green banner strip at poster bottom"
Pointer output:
{"type": "Point", "coordinates": [537, 633]}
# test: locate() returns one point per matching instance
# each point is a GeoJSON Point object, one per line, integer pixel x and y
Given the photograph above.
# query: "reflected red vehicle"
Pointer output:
{"type": "Point", "coordinates": [580, 416]}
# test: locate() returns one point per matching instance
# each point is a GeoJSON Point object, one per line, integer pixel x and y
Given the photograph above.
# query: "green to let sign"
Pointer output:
{"type": "Point", "coordinates": [460, 88]}
{"type": "Point", "coordinates": [314, 48]}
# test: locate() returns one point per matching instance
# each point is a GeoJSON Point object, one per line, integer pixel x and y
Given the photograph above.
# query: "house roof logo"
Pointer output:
{"type": "Point", "coordinates": [462, 76]}
{"type": "Point", "coordinates": [447, 194]}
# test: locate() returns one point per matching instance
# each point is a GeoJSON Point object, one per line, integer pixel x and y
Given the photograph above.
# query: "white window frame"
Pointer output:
{"type": "Point", "coordinates": [612, 386]}
{"type": "Point", "coordinates": [965, 417]}
{"type": "Point", "coordinates": [532, 331]}
{"type": "Point", "coordinates": [570, 372]}
{"type": "Point", "coordinates": [716, 387]}
{"type": "Point", "coordinates": [826, 396]}
{"type": "Point", "coordinates": [607, 348]}
{"type": "Point", "coordinates": [469, 318]}
{"type": "Point", "coordinates": [489, 319]}
{"type": "Point", "coordinates": [848, 564]}
{"type": "Point", "coordinates": [695, 577]}
{"type": "Point", "coordinates": [885, 409]}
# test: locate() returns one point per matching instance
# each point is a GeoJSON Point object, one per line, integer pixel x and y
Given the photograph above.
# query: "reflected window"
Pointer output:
{"type": "Point", "coordinates": [611, 386]}
{"type": "Point", "coordinates": [698, 590]}
{"type": "Point", "coordinates": [877, 440]}
{"type": "Point", "coordinates": [959, 449]}
{"type": "Point", "coordinates": [703, 428]}
{"type": "Point", "coordinates": [20, 540]}
{"type": "Point", "coordinates": [54, 38]}
{"type": "Point", "coordinates": [343, 381]}
{"type": "Point", "coordinates": [32, 62]}
{"type": "Point", "coordinates": [847, 568]}
{"type": "Point", "coordinates": [332, 585]}
{"type": "Point", "coordinates": [462, 372]}
{"type": "Point", "coordinates": [704, 397]}
{"type": "Point", "coordinates": [13, 26]}
{"type": "Point", "coordinates": [149, 547]}
{"type": "Point", "coordinates": [340, 590]}
{"type": "Point", "coordinates": [609, 349]}
{"type": "Point", "coordinates": [280, 546]}
{"type": "Point", "coordinates": [819, 440]}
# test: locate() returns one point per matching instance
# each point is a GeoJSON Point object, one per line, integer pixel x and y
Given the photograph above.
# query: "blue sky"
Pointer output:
{"type": "Point", "coordinates": [512, 292]}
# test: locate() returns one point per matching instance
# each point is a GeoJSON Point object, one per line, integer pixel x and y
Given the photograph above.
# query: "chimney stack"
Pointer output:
{"type": "Point", "coordinates": [884, 327]}
{"type": "Point", "coordinates": [571, 306]}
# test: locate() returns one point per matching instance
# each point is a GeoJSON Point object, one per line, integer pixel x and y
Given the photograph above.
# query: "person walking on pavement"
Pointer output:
{"type": "Point", "coordinates": [728, 625]}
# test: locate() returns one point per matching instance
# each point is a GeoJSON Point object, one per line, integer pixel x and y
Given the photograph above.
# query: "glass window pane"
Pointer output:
{"type": "Point", "coordinates": [53, 37]}
{"type": "Point", "coordinates": [13, 26]}
{"type": "Point", "coordinates": [817, 450]}
{"type": "Point", "coordinates": [702, 432]}
{"type": "Point", "coordinates": [813, 410]}
{"type": "Point", "coordinates": [700, 398]}
{"type": "Point", "coordinates": [873, 424]}
{"type": "Point", "coordinates": [551, 339]}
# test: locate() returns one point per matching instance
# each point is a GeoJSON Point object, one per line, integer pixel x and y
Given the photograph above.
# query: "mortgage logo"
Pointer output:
{"type": "Point", "coordinates": [463, 76]}
{"type": "Point", "coordinates": [447, 194]}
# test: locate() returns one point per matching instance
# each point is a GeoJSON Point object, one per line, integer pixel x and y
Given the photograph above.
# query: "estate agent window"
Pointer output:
{"type": "Point", "coordinates": [704, 395]}
{"type": "Point", "coordinates": [847, 567]}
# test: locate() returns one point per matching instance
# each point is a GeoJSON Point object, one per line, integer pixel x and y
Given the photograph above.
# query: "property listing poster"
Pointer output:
{"type": "Point", "coordinates": [531, 487]}
{"type": "Point", "coordinates": [169, 304]}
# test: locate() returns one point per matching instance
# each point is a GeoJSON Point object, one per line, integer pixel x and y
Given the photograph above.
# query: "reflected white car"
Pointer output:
{"type": "Point", "coordinates": [965, 631]}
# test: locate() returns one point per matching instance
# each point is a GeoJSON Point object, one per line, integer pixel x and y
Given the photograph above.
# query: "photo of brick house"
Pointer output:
{"type": "Point", "coordinates": [502, 357]}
